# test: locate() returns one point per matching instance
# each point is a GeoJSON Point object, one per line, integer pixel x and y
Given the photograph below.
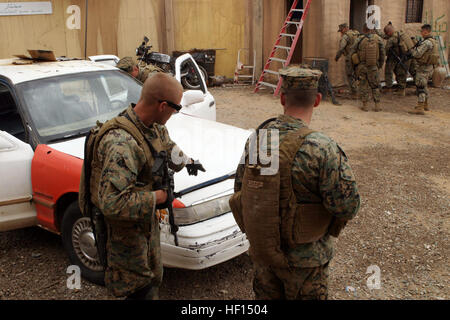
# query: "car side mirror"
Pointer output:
{"type": "Point", "coordinates": [192, 97]}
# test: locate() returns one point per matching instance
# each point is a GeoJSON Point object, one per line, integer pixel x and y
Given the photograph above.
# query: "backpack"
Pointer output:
{"type": "Point", "coordinates": [405, 42]}
{"type": "Point", "coordinates": [266, 208]}
{"type": "Point", "coordinates": [431, 57]}
{"type": "Point", "coordinates": [91, 173]}
{"type": "Point", "coordinates": [353, 36]}
{"type": "Point", "coordinates": [368, 51]}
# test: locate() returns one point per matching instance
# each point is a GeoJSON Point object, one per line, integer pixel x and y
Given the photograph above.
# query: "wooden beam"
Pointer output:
{"type": "Point", "coordinates": [258, 35]}
{"type": "Point", "coordinates": [170, 26]}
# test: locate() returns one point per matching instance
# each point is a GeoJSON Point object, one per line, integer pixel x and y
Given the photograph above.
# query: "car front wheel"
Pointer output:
{"type": "Point", "coordinates": [79, 242]}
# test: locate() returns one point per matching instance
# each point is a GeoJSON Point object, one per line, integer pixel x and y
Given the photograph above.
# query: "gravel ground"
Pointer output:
{"type": "Point", "coordinates": [402, 167]}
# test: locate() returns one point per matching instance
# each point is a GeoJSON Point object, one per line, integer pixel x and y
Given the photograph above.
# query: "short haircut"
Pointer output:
{"type": "Point", "coordinates": [426, 27]}
{"type": "Point", "coordinates": [302, 98]}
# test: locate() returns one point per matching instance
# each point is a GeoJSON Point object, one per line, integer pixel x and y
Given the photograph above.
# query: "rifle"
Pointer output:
{"type": "Point", "coordinates": [161, 169]}
{"type": "Point", "coordinates": [399, 60]}
{"type": "Point", "coordinates": [97, 219]}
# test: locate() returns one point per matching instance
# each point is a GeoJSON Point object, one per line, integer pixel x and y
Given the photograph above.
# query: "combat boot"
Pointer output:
{"type": "Point", "coordinates": [364, 107]}
{"type": "Point", "coordinates": [377, 107]}
{"type": "Point", "coordinates": [419, 109]}
{"type": "Point", "coordinates": [426, 107]}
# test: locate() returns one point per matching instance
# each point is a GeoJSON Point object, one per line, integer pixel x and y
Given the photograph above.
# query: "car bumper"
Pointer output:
{"type": "Point", "coordinates": [203, 244]}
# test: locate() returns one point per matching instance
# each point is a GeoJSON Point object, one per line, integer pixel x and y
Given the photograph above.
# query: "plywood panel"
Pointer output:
{"type": "Point", "coordinates": [212, 24]}
{"type": "Point", "coordinates": [19, 33]}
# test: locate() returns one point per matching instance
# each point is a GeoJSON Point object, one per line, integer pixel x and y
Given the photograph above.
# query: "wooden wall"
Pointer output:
{"type": "Point", "coordinates": [118, 26]}
{"type": "Point", "coordinates": [114, 27]}
{"type": "Point", "coordinates": [215, 24]}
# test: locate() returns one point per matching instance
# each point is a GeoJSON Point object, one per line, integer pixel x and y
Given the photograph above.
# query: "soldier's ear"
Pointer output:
{"type": "Point", "coordinates": [318, 100]}
{"type": "Point", "coordinates": [283, 99]}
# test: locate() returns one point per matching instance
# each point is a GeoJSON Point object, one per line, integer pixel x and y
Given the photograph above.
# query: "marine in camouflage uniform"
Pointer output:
{"type": "Point", "coordinates": [128, 203]}
{"type": "Point", "coordinates": [347, 41]}
{"type": "Point", "coordinates": [320, 172]}
{"type": "Point", "coordinates": [128, 65]}
{"type": "Point", "coordinates": [424, 70]}
{"type": "Point", "coordinates": [392, 64]}
{"type": "Point", "coordinates": [369, 76]}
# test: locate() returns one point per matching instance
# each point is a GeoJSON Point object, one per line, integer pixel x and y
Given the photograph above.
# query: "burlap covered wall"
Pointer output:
{"type": "Point", "coordinates": [114, 27]}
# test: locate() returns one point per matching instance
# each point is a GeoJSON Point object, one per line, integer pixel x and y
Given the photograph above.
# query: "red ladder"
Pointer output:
{"type": "Point", "coordinates": [289, 50]}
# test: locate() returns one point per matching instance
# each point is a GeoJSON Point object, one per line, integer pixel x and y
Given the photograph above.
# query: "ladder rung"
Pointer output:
{"type": "Point", "coordinates": [297, 10]}
{"type": "Point", "coordinates": [248, 67]}
{"type": "Point", "coordinates": [292, 22]}
{"type": "Point", "coordinates": [268, 84]}
{"type": "Point", "coordinates": [288, 35]}
{"type": "Point", "coordinates": [271, 71]}
{"type": "Point", "coordinates": [245, 76]}
{"type": "Point", "coordinates": [283, 47]}
{"type": "Point", "coordinates": [277, 59]}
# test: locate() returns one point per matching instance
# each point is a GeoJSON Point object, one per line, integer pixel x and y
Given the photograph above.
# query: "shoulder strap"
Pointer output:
{"type": "Point", "coordinates": [292, 143]}
{"type": "Point", "coordinates": [122, 122]}
{"type": "Point", "coordinates": [265, 123]}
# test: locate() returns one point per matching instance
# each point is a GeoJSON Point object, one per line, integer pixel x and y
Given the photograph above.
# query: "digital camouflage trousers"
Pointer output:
{"type": "Point", "coordinates": [291, 284]}
{"type": "Point", "coordinates": [369, 81]}
{"type": "Point", "coordinates": [423, 74]}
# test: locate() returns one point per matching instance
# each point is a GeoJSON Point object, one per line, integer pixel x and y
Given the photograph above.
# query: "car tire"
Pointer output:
{"type": "Point", "coordinates": [79, 243]}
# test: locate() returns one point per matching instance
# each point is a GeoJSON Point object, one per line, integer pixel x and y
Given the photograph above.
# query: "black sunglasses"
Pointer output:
{"type": "Point", "coordinates": [175, 106]}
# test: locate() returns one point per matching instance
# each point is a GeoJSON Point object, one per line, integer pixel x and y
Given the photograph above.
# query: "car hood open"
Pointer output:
{"type": "Point", "coordinates": [218, 146]}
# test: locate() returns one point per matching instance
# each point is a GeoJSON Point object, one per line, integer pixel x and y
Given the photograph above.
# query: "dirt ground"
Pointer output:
{"type": "Point", "coordinates": [402, 167]}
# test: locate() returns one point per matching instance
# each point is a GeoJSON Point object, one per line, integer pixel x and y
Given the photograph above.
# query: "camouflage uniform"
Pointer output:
{"type": "Point", "coordinates": [146, 71]}
{"type": "Point", "coordinates": [320, 171]}
{"type": "Point", "coordinates": [369, 78]}
{"type": "Point", "coordinates": [344, 49]}
{"type": "Point", "coordinates": [392, 64]}
{"type": "Point", "coordinates": [128, 202]}
{"type": "Point", "coordinates": [127, 64]}
{"type": "Point", "coordinates": [423, 73]}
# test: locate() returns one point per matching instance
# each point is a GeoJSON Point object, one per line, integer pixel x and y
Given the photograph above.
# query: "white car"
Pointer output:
{"type": "Point", "coordinates": [47, 108]}
{"type": "Point", "coordinates": [199, 103]}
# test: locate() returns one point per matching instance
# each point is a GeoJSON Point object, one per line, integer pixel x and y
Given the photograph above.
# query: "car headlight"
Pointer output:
{"type": "Point", "coordinates": [201, 212]}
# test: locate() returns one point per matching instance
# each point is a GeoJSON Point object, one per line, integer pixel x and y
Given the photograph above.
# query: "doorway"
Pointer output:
{"type": "Point", "coordinates": [297, 57]}
{"type": "Point", "coordinates": [358, 11]}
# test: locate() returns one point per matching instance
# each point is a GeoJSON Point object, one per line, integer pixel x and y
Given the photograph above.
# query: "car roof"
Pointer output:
{"type": "Point", "coordinates": [39, 70]}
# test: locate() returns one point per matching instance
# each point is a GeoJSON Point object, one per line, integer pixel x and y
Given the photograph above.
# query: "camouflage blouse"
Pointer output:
{"type": "Point", "coordinates": [320, 172]}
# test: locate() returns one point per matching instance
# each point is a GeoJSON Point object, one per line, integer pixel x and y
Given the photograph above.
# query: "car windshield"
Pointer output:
{"type": "Point", "coordinates": [70, 105]}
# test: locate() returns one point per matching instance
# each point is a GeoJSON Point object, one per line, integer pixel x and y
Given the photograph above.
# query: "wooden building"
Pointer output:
{"type": "Point", "coordinates": [118, 26]}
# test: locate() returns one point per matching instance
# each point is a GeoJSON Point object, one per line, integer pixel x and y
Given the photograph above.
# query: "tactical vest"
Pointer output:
{"type": "Point", "coordinates": [91, 155]}
{"type": "Point", "coordinates": [431, 57]}
{"type": "Point", "coordinates": [352, 35]}
{"type": "Point", "coordinates": [405, 43]}
{"type": "Point", "coordinates": [267, 210]}
{"type": "Point", "coordinates": [368, 51]}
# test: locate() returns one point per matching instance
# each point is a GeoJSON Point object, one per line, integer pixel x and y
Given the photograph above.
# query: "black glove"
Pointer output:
{"type": "Point", "coordinates": [194, 166]}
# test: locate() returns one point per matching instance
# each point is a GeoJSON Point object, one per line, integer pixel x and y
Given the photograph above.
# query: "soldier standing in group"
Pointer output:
{"type": "Point", "coordinates": [368, 55]}
{"type": "Point", "coordinates": [126, 191]}
{"type": "Point", "coordinates": [426, 55]}
{"type": "Point", "coordinates": [289, 215]}
{"type": "Point", "coordinates": [397, 46]}
{"type": "Point", "coordinates": [128, 65]}
{"type": "Point", "coordinates": [347, 41]}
